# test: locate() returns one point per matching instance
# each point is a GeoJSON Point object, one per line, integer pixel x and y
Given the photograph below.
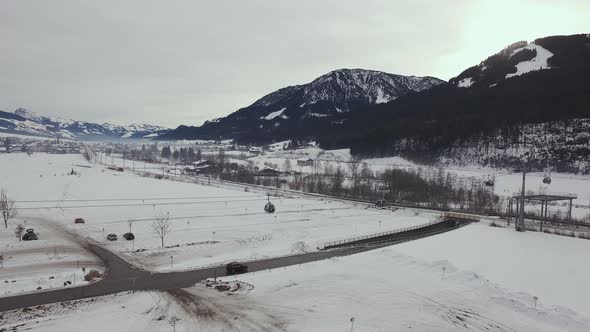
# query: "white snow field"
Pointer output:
{"type": "Point", "coordinates": [476, 278]}
{"type": "Point", "coordinates": [506, 183]}
{"type": "Point", "coordinates": [209, 225]}
{"type": "Point", "coordinates": [471, 279]}
{"type": "Point", "coordinates": [490, 280]}
{"type": "Point", "coordinates": [43, 264]}
{"type": "Point", "coordinates": [141, 311]}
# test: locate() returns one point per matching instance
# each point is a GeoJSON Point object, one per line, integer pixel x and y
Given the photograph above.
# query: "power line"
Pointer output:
{"type": "Point", "coordinates": [148, 204]}
{"type": "Point", "coordinates": [228, 215]}
{"type": "Point", "coordinates": [125, 199]}
{"type": "Point", "coordinates": [127, 205]}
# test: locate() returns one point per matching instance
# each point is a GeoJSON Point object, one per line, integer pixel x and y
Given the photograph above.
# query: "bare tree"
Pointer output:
{"type": "Point", "coordinates": [6, 207]}
{"type": "Point", "coordinates": [7, 144]}
{"type": "Point", "coordinates": [20, 229]}
{"type": "Point", "coordinates": [221, 160]}
{"type": "Point", "coordinates": [287, 165]}
{"type": "Point", "coordinates": [161, 226]}
{"type": "Point", "coordinates": [366, 172]}
{"type": "Point", "coordinates": [353, 166]}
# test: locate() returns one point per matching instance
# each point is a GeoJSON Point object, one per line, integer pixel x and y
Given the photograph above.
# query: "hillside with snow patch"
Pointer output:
{"type": "Point", "coordinates": [326, 101]}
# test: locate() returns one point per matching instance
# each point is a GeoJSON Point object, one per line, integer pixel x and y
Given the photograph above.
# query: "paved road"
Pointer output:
{"type": "Point", "coordinates": [122, 276]}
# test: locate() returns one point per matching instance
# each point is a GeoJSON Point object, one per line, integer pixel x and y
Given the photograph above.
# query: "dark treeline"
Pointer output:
{"type": "Point", "coordinates": [183, 155]}
{"type": "Point", "coordinates": [438, 117]}
{"type": "Point", "coordinates": [421, 187]}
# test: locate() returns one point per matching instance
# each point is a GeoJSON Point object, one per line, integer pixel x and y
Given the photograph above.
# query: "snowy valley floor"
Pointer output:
{"type": "Point", "coordinates": [56, 260]}
{"type": "Point", "coordinates": [209, 225]}
{"type": "Point", "coordinates": [457, 281]}
{"type": "Point", "coordinates": [476, 278]}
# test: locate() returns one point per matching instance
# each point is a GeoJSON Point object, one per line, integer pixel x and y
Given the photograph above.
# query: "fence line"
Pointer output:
{"type": "Point", "coordinates": [376, 235]}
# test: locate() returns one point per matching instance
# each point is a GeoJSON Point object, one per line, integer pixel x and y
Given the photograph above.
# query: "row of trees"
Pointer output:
{"type": "Point", "coordinates": [185, 155]}
{"type": "Point", "coordinates": [424, 187]}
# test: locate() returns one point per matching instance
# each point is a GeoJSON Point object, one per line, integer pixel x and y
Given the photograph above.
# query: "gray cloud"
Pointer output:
{"type": "Point", "coordinates": [189, 61]}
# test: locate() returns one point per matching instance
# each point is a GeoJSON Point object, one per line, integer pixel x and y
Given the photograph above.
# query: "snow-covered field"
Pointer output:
{"type": "Point", "coordinates": [142, 311]}
{"type": "Point", "coordinates": [49, 262]}
{"type": "Point", "coordinates": [476, 278]}
{"type": "Point", "coordinates": [208, 224]}
{"type": "Point", "coordinates": [506, 183]}
{"type": "Point", "coordinates": [547, 266]}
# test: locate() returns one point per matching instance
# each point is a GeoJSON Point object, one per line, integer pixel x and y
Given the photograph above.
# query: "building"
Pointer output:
{"type": "Point", "coordinates": [269, 172]}
{"type": "Point", "coordinates": [305, 162]}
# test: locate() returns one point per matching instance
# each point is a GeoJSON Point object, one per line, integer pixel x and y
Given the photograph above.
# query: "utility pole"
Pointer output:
{"type": "Point", "coordinates": [521, 226]}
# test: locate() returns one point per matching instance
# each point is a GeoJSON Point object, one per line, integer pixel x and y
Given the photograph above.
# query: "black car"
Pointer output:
{"type": "Point", "coordinates": [128, 236]}
{"type": "Point", "coordinates": [236, 268]}
{"type": "Point", "coordinates": [112, 237]}
{"type": "Point", "coordinates": [29, 236]}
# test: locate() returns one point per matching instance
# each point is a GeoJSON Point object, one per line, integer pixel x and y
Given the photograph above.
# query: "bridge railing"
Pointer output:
{"type": "Point", "coordinates": [376, 235]}
{"type": "Point", "coordinates": [461, 216]}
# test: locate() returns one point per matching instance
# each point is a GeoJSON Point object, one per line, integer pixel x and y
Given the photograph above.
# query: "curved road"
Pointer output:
{"type": "Point", "coordinates": [122, 276]}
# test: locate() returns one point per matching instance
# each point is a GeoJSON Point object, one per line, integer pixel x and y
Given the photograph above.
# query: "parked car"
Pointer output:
{"type": "Point", "coordinates": [129, 236]}
{"type": "Point", "coordinates": [112, 237]}
{"type": "Point", "coordinates": [236, 268]}
{"type": "Point", "coordinates": [30, 235]}
{"type": "Point", "coordinates": [79, 221]}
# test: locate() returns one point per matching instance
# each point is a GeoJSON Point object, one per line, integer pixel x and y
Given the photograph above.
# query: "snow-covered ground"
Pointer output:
{"type": "Point", "coordinates": [543, 265]}
{"type": "Point", "coordinates": [49, 262]}
{"type": "Point", "coordinates": [476, 278]}
{"type": "Point", "coordinates": [141, 311]}
{"type": "Point", "coordinates": [208, 224]}
{"type": "Point", "coordinates": [506, 183]}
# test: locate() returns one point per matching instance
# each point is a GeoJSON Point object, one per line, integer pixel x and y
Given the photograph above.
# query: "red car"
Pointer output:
{"type": "Point", "coordinates": [79, 221]}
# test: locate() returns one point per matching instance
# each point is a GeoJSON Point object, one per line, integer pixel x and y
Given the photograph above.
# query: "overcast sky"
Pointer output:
{"type": "Point", "coordinates": [183, 62]}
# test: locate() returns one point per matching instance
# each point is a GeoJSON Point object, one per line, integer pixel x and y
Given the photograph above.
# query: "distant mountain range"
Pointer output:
{"type": "Point", "coordinates": [25, 122]}
{"type": "Point", "coordinates": [488, 107]}
{"type": "Point", "coordinates": [528, 103]}
{"type": "Point", "coordinates": [326, 101]}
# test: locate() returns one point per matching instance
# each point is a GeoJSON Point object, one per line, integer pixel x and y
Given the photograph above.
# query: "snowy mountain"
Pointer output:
{"type": "Point", "coordinates": [346, 87]}
{"type": "Point", "coordinates": [25, 122]}
{"type": "Point", "coordinates": [326, 101]}
{"type": "Point", "coordinates": [520, 58]}
{"type": "Point", "coordinates": [529, 103]}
